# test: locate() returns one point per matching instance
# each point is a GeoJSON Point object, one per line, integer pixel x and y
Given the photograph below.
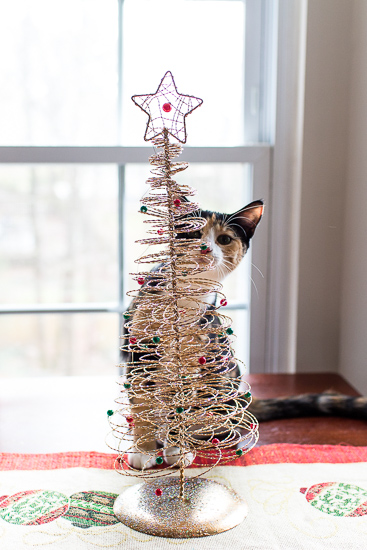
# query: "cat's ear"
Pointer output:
{"type": "Point", "coordinates": [248, 218]}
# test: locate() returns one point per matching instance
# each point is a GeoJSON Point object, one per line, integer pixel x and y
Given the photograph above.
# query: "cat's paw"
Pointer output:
{"type": "Point", "coordinates": [140, 460]}
{"type": "Point", "coordinates": [172, 454]}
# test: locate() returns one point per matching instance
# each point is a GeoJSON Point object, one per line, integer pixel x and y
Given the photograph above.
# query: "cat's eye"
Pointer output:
{"type": "Point", "coordinates": [224, 239]}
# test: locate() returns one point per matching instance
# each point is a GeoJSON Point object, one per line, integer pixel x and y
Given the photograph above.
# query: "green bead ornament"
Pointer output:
{"type": "Point", "coordinates": [109, 412]}
{"type": "Point", "coordinates": [143, 209]}
{"type": "Point", "coordinates": [239, 452]}
{"type": "Point", "coordinates": [248, 394]}
{"type": "Point", "coordinates": [156, 339]}
{"type": "Point", "coordinates": [159, 460]}
{"type": "Point", "coordinates": [203, 246]}
{"type": "Point", "coordinates": [127, 385]}
{"type": "Point", "coordinates": [126, 315]}
{"type": "Point", "coordinates": [229, 331]}
{"type": "Point", "coordinates": [180, 410]}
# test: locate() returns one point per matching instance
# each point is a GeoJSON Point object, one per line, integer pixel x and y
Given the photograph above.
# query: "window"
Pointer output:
{"type": "Point", "coordinates": [74, 164]}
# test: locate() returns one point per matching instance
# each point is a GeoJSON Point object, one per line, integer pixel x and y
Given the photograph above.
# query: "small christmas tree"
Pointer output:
{"type": "Point", "coordinates": [178, 387]}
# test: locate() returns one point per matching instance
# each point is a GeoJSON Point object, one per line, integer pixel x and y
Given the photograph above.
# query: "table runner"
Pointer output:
{"type": "Point", "coordinates": [277, 453]}
{"type": "Point", "coordinates": [299, 497]}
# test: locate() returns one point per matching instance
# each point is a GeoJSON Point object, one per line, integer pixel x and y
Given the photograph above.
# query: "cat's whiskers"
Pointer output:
{"type": "Point", "coordinates": [221, 272]}
{"type": "Point", "coordinates": [229, 268]}
{"type": "Point", "coordinates": [226, 266]}
{"type": "Point", "coordinates": [253, 282]}
{"type": "Point", "coordinates": [259, 270]}
{"type": "Point", "coordinates": [223, 268]}
{"type": "Point", "coordinates": [227, 263]}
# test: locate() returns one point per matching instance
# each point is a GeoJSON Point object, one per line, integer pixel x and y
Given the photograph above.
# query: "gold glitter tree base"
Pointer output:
{"type": "Point", "coordinates": [208, 508]}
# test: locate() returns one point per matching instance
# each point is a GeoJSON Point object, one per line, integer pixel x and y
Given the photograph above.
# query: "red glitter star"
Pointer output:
{"type": "Point", "coordinates": [160, 116]}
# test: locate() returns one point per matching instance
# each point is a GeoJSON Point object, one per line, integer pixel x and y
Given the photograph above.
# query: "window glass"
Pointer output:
{"type": "Point", "coordinates": [59, 223]}
{"type": "Point", "coordinates": [59, 344]}
{"type": "Point", "coordinates": [241, 328]}
{"type": "Point", "coordinates": [202, 43]}
{"type": "Point", "coordinates": [58, 72]}
{"type": "Point", "coordinates": [221, 187]}
{"type": "Point", "coordinates": [58, 234]}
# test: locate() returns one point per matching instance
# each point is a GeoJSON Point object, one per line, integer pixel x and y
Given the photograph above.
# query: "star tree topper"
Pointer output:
{"type": "Point", "coordinates": [167, 109]}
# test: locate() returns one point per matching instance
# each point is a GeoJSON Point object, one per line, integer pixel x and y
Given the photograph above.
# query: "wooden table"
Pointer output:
{"type": "Point", "coordinates": [311, 431]}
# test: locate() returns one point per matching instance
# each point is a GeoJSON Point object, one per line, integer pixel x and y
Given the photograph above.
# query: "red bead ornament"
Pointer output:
{"type": "Point", "coordinates": [141, 280]}
{"type": "Point", "coordinates": [129, 419]}
{"type": "Point", "coordinates": [167, 107]}
{"type": "Point", "coordinates": [223, 302]}
{"type": "Point", "coordinates": [202, 360]}
{"type": "Point", "coordinates": [215, 441]}
{"type": "Point", "coordinates": [177, 202]}
{"type": "Point", "coordinates": [209, 413]}
{"type": "Point", "coordinates": [253, 426]}
{"type": "Point", "coordinates": [160, 231]}
{"type": "Point", "coordinates": [158, 492]}
{"type": "Point", "coordinates": [132, 340]}
{"type": "Point", "coordinates": [207, 251]}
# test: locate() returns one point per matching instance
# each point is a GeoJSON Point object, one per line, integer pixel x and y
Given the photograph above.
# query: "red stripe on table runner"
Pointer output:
{"type": "Point", "coordinates": [51, 461]}
{"type": "Point", "coordinates": [267, 454]}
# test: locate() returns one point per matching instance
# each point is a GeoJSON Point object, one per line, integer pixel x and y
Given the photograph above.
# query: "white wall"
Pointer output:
{"type": "Point", "coordinates": [325, 161]}
{"type": "Point", "coordinates": [353, 333]}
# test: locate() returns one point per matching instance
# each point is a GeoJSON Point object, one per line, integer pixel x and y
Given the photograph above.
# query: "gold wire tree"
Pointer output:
{"type": "Point", "coordinates": [177, 387]}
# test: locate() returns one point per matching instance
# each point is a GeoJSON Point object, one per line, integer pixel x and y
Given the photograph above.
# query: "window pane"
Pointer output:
{"type": "Point", "coordinates": [59, 72]}
{"type": "Point", "coordinates": [202, 43]}
{"type": "Point", "coordinates": [58, 234]}
{"type": "Point", "coordinates": [59, 344]}
{"type": "Point", "coordinates": [221, 187]}
{"type": "Point", "coordinates": [241, 327]}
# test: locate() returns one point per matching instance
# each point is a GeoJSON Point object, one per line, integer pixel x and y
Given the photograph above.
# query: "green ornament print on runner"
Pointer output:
{"type": "Point", "coordinates": [337, 499]}
{"type": "Point", "coordinates": [33, 507]}
{"type": "Point", "coordinates": [91, 509]}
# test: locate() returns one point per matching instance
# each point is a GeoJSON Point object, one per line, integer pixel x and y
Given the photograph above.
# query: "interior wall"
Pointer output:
{"type": "Point", "coordinates": [323, 183]}
{"type": "Point", "coordinates": [353, 335]}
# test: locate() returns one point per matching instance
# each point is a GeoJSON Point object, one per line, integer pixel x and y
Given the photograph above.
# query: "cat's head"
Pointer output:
{"type": "Point", "coordinates": [228, 235]}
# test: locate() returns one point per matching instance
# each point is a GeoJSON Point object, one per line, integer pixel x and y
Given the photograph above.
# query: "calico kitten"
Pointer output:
{"type": "Point", "coordinates": [228, 239]}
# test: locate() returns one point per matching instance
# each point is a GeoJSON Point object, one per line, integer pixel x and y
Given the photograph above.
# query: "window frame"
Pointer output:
{"type": "Point", "coordinates": [259, 155]}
